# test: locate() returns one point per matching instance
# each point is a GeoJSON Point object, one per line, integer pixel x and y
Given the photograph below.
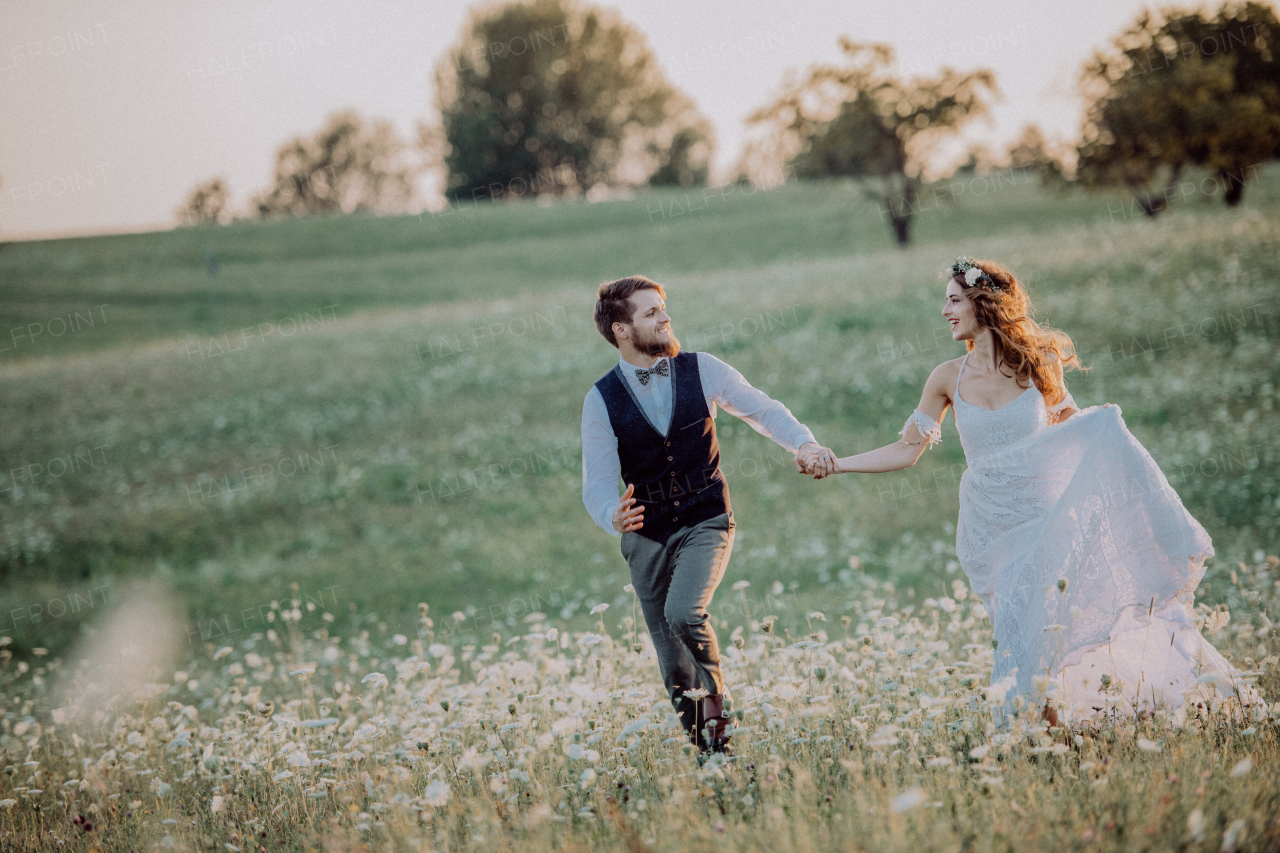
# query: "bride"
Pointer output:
{"type": "Point", "coordinates": [1071, 536]}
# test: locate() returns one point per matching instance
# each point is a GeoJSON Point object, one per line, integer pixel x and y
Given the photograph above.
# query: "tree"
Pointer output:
{"type": "Point", "coordinates": [554, 97]}
{"type": "Point", "coordinates": [1031, 150]}
{"type": "Point", "coordinates": [863, 121]}
{"type": "Point", "coordinates": [347, 166]}
{"type": "Point", "coordinates": [206, 205]}
{"type": "Point", "coordinates": [1182, 89]}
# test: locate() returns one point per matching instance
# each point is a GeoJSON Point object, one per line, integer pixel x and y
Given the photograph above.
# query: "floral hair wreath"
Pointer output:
{"type": "Point", "coordinates": [974, 275]}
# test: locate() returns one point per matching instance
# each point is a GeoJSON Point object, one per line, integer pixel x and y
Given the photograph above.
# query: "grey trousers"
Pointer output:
{"type": "Point", "coordinates": [674, 583]}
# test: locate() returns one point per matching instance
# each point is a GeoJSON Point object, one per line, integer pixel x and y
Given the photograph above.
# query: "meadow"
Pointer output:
{"type": "Point", "coordinates": [341, 463]}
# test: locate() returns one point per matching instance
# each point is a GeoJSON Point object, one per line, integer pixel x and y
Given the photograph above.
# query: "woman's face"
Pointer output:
{"type": "Point", "coordinates": [959, 312]}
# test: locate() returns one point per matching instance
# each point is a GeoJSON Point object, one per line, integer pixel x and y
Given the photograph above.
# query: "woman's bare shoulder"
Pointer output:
{"type": "Point", "coordinates": [948, 369]}
{"type": "Point", "coordinates": [944, 376]}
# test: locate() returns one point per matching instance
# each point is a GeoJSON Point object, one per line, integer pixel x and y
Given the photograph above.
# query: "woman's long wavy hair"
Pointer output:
{"type": "Point", "coordinates": [1033, 352]}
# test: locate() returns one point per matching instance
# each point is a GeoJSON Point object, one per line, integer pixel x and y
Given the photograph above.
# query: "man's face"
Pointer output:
{"type": "Point", "coordinates": [650, 327]}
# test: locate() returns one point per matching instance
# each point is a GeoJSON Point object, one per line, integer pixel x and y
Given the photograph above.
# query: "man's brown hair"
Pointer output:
{"type": "Point", "coordinates": [613, 302]}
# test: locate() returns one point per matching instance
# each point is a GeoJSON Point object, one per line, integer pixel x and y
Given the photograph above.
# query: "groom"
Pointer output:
{"type": "Point", "coordinates": [651, 421]}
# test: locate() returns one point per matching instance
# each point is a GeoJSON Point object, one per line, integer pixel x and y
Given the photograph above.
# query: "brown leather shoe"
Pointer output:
{"type": "Point", "coordinates": [715, 723]}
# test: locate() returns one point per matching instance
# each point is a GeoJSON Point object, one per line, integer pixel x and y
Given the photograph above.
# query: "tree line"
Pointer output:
{"type": "Point", "coordinates": [560, 98]}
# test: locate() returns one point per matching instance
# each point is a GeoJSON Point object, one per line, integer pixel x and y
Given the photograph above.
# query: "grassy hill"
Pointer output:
{"type": "Point", "coordinates": [381, 412]}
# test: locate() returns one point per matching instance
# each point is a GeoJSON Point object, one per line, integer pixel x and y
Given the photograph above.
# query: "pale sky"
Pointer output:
{"type": "Point", "coordinates": [113, 111]}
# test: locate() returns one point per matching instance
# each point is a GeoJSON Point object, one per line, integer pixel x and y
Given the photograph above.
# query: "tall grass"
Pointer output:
{"type": "Point", "coordinates": [873, 730]}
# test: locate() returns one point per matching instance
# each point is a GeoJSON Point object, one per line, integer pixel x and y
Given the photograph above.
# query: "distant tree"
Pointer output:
{"type": "Point", "coordinates": [348, 165]}
{"type": "Point", "coordinates": [685, 158]}
{"type": "Point", "coordinates": [206, 204]}
{"type": "Point", "coordinates": [1031, 150]}
{"type": "Point", "coordinates": [863, 121]}
{"type": "Point", "coordinates": [979, 160]}
{"type": "Point", "coordinates": [1183, 89]}
{"type": "Point", "coordinates": [556, 97]}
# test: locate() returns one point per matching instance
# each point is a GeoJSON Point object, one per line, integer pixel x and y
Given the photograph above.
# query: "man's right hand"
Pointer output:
{"type": "Point", "coordinates": [629, 516]}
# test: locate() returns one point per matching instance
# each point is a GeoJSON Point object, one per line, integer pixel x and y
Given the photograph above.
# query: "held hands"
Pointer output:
{"type": "Point", "coordinates": [628, 517]}
{"type": "Point", "coordinates": [811, 459]}
{"type": "Point", "coordinates": [815, 460]}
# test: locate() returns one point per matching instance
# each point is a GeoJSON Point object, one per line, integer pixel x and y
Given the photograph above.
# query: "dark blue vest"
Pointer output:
{"type": "Point", "coordinates": [677, 475]}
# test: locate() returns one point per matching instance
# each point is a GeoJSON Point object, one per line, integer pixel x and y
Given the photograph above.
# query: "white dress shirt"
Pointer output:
{"type": "Point", "coordinates": [721, 385]}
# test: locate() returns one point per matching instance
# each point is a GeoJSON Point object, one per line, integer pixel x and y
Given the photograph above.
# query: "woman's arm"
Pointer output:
{"type": "Point", "coordinates": [904, 452]}
{"type": "Point", "coordinates": [1065, 407]}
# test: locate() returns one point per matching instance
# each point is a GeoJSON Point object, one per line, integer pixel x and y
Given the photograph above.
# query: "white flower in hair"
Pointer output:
{"type": "Point", "coordinates": [972, 275]}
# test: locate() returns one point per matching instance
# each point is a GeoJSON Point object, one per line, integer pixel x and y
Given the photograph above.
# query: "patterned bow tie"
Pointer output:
{"type": "Point", "coordinates": [660, 369]}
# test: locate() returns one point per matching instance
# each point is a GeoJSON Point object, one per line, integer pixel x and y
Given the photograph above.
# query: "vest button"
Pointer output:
{"type": "Point", "coordinates": [668, 444]}
{"type": "Point", "coordinates": [671, 459]}
{"type": "Point", "coordinates": [674, 519]}
{"type": "Point", "coordinates": [677, 503]}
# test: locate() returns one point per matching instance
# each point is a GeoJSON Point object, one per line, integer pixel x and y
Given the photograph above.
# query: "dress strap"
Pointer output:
{"type": "Point", "coordinates": [961, 373]}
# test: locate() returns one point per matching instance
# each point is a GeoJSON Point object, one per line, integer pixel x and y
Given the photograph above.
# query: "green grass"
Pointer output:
{"type": "Point", "coordinates": [439, 442]}
{"type": "Point", "coordinates": [141, 287]}
{"type": "Point", "coordinates": [385, 412]}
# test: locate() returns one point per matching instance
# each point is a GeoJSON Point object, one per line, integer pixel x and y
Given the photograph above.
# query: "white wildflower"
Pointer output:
{"type": "Point", "coordinates": [1195, 826]}
{"type": "Point", "coordinates": [472, 760]}
{"type": "Point", "coordinates": [997, 692]}
{"type": "Point", "coordinates": [1148, 745]}
{"type": "Point", "coordinates": [436, 794]}
{"type": "Point", "coordinates": [1242, 767]}
{"type": "Point", "coordinates": [1234, 838]}
{"type": "Point", "coordinates": [908, 800]}
{"type": "Point", "coordinates": [599, 608]}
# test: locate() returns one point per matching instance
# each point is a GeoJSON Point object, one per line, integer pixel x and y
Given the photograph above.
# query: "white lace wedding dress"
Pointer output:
{"type": "Point", "coordinates": [1086, 561]}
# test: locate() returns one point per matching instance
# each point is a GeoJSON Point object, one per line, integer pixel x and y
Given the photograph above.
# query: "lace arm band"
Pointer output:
{"type": "Point", "coordinates": [929, 428]}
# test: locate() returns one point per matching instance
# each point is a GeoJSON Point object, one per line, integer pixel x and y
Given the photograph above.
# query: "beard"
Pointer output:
{"type": "Point", "coordinates": [652, 345]}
